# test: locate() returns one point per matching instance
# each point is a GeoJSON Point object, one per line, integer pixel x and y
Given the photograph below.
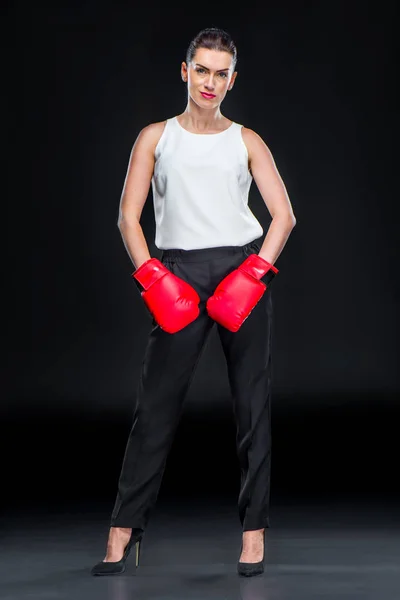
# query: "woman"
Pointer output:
{"type": "Point", "coordinates": [212, 272]}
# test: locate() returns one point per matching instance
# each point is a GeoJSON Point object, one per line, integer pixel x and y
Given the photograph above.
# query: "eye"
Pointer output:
{"type": "Point", "coordinates": [201, 70]}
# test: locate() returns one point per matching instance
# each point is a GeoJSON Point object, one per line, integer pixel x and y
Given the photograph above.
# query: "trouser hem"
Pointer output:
{"type": "Point", "coordinates": [253, 523]}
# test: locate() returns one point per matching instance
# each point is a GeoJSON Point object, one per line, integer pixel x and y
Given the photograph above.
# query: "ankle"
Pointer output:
{"type": "Point", "coordinates": [253, 533]}
{"type": "Point", "coordinates": [253, 539]}
{"type": "Point", "coordinates": [119, 535]}
{"type": "Point", "coordinates": [121, 530]}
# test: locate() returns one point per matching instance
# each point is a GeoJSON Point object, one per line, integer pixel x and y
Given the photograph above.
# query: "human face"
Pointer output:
{"type": "Point", "coordinates": [210, 72]}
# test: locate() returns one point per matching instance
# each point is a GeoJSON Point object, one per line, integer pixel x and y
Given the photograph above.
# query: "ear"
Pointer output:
{"type": "Point", "coordinates": [184, 71]}
{"type": "Point", "coordinates": [232, 81]}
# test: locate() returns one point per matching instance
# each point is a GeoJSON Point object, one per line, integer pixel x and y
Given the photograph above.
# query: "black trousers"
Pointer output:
{"type": "Point", "coordinates": [167, 370]}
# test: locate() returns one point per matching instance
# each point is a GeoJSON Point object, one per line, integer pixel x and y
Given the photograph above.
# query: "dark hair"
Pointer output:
{"type": "Point", "coordinates": [212, 38]}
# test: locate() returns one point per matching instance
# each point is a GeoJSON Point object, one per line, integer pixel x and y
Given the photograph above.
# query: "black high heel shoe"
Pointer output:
{"type": "Point", "coordinates": [115, 568]}
{"type": "Point", "coordinates": [250, 569]}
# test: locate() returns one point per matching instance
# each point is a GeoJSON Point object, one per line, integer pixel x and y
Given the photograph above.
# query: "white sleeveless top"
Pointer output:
{"type": "Point", "coordinates": [200, 189]}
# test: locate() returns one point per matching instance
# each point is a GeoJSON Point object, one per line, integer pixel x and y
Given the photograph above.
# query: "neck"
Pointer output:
{"type": "Point", "coordinates": [201, 119]}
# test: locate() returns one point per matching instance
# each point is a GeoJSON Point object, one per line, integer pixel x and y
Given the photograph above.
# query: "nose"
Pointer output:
{"type": "Point", "coordinates": [209, 83]}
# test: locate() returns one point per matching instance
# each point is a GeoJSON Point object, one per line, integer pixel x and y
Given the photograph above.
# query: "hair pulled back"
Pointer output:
{"type": "Point", "coordinates": [212, 38]}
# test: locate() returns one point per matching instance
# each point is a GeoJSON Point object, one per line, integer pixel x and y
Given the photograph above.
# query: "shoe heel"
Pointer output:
{"type": "Point", "coordinates": [137, 553]}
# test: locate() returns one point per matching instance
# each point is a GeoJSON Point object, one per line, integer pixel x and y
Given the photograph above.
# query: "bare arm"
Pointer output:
{"type": "Point", "coordinates": [274, 194]}
{"type": "Point", "coordinates": [135, 192]}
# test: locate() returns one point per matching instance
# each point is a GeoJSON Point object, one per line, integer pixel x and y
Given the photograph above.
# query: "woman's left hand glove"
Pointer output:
{"type": "Point", "coordinates": [239, 292]}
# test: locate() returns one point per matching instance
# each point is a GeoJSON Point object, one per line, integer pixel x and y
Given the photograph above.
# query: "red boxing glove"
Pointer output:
{"type": "Point", "coordinates": [238, 293]}
{"type": "Point", "coordinates": [171, 300]}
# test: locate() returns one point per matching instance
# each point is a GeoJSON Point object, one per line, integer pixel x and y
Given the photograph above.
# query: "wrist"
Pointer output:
{"type": "Point", "coordinates": [268, 264]}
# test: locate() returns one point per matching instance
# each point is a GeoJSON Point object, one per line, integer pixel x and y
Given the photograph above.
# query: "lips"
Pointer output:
{"type": "Point", "coordinates": [208, 96]}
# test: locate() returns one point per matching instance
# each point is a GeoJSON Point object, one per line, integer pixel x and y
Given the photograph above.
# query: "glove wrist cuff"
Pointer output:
{"type": "Point", "coordinates": [149, 272]}
{"type": "Point", "coordinates": [257, 267]}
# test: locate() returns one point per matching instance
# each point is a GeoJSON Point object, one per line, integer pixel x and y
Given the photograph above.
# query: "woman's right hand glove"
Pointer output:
{"type": "Point", "coordinates": [171, 300]}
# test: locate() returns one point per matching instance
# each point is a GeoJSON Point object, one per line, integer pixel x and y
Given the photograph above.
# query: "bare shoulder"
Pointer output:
{"type": "Point", "coordinates": [150, 135]}
{"type": "Point", "coordinates": [252, 139]}
{"type": "Point", "coordinates": [256, 146]}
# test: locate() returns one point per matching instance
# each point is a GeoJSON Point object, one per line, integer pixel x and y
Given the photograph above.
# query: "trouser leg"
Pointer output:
{"type": "Point", "coordinates": [248, 356]}
{"type": "Point", "coordinates": [167, 370]}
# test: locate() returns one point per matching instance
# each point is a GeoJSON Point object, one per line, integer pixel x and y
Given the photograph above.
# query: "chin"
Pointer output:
{"type": "Point", "coordinates": [203, 103]}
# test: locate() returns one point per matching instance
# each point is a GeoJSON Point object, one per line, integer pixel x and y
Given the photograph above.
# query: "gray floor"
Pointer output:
{"type": "Point", "coordinates": [190, 554]}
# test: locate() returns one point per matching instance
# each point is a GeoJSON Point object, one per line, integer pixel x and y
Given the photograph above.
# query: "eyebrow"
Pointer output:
{"type": "Point", "coordinates": [219, 70]}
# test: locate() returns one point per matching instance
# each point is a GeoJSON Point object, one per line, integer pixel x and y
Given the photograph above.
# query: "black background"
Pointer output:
{"type": "Point", "coordinates": [316, 80]}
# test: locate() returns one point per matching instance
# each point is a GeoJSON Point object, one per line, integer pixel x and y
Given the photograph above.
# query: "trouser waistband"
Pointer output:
{"type": "Point", "coordinates": [205, 254]}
